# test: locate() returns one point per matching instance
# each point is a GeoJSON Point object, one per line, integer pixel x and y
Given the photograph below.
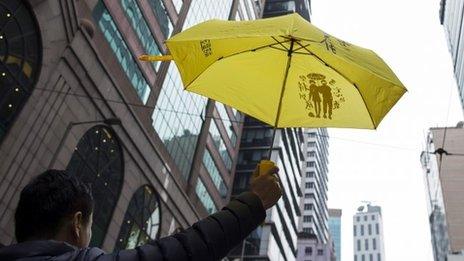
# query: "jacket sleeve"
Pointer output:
{"type": "Point", "coordinates": [208, 239]}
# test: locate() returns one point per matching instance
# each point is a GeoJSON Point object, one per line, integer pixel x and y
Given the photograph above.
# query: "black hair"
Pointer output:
{"type": "Point", "coordinates": [47, 201]}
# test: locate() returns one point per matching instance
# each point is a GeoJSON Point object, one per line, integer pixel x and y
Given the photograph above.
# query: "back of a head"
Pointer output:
{"type": "Point", "coordinates": [47, 202]}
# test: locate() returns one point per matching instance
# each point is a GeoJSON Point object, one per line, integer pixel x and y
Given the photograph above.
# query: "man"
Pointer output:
{"type": "Point", "coordinates": [54, 220]}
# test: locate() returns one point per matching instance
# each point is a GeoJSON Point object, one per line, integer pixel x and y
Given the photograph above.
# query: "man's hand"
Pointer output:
{"type": "Point", "coordinates": [266, 186]}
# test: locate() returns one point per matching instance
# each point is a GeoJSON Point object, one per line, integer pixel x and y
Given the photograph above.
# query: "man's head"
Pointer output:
{"type": "Point", "coordinates": [55, 205]}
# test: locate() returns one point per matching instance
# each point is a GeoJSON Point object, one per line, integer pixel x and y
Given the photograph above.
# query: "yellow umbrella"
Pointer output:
{"type": "Point", "coordinates": [285, 72]}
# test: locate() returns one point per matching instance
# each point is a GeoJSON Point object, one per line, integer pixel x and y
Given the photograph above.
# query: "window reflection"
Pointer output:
{"type": "Point", "coordinates": [20, 57]}
{"type": "Point", "coordinates": [205, 197]}
{"type": "Point", "coordinates": [162, 16]}
{"type": "Point", "coordinates": [121, 51]}
{"type": "Point", "coordinates": [221, 109]}
{"type": "Point", "coordinates": [141, 221]}
{"type": "Point", "coordinates": [98, 160]}
{"type": "Point", "coordinates": [213, 171]}
{"type": "Point", "coordinates": [220, 144]}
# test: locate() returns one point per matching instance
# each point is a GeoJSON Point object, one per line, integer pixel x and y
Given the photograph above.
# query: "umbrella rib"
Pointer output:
{"type": "Point", "coordinates": [281, 43]}
{"type": "Point", "coordinates": [346, 78]}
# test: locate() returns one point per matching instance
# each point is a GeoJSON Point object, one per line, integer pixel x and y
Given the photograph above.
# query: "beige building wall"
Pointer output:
{"type": "Point", "coordinates": [452, 181]}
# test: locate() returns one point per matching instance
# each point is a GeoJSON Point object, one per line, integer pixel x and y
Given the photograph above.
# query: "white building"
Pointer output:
{"type": "Point", "coordinates": [368, 234]}
{"type": "Point", "coordinates": [313, 205]}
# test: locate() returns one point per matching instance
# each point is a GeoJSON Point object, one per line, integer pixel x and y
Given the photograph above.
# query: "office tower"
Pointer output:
{"type": "Point", "coordinates": [442, 163]}
{"type": "Point", "coordinates": [335, 225]}
{"type": "Point", "coordinates": [451, 17]}
{"type": "Point", "coordinates": [276, 239]}
{"type": "Point", "coordinates": [368, 234]}
{"type": "Point", "coordinates": [313, 204]}
{"type": "Point", "coordinates": [74, 96]}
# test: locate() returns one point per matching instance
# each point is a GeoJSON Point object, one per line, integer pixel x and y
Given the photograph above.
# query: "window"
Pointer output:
{"type": "Point", "coordinates": [141, 221]}
{"type": "Point", "coordinates": [354, 230]}
{"type": "Point", "coordinates": [307, 195]}
{"type": "Point", "coordinates": [220, 144]}
{"type": "Point", "coordinates": [362, 230]}
{"type": "Point", "coordinates": [214, 173]}
{"type": "Point", "coordinates": [371, 257]}
{"type": "Point", "coordinates": [377, 228]}
{"type": "Point", "coordinates": [311, 144]}
{"type": "Point", "coordinates": [374, 244]}
{"type": "Point", "coordinates": [98, 160]}
{"type": "Point", "coordinates": [320, 252]}
{"type": "Point", "coordinates": [378, 257]}
{"type": "Point", "coordinates": [310, 164]}
{"type": "Point", "coordinates": [311, 134]}
{"type": "Point", "coordinates": [309, 185]}
{"type": "Point", "coordinates": [161, 16]}
{"type": "Point", "coordinates": [358, 244]}
{"type": "Point", "coordinates": [121, 51]}
{"type": "Point", "coordinates": [307, 219]}
{"type": "Point", "coordinates": [357, 218]}
{"type": "Point", "coordinates": [355, 258]}
{"type": "Point", "coordinates": [140, 26]}
{"type": "Point", "coordinates": [365, 218]}
{"type": "Point", "coordinates": [366, 244]}
{"type": "Point", "coordinates": [308, 251]}
{"type": "Point", "coordinates": [205, 197]}
{"type": "Point", "coordinates": [221, 109]}
{"type": "Point", "coordinates": [369, 229]}
{"type": "Point", "coordinates": [20, 59]}
{"type": "Point", "coordinates": [307, 230]}
{"type": "Point", "coordinates": [310, 174]}
{"type": "Point", "coordinates": [373, 217]}
{"type": "Point", "coordinates": [307, 206]}
{"type": "Point", "coordinates": [362, 258]}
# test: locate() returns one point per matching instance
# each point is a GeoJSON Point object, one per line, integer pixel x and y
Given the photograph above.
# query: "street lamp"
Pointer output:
{"type": "Point", "coordinates": [109, 122]}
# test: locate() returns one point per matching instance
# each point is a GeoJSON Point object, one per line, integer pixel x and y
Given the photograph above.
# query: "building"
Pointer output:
{"type": "Point", "coordinates": [274, 8]}
{"type": "Point", "coordinates": [276, 239]}
{"type": "Point", "coordinates": [335, 225]}
{"type": "Point", "coordinates": [313, 204]}
{"type": "Point", "coordinates": [74, 96]}
{"type": "Point", "coordinates": [443, 162]}
{"type": "Point", "coordinates": [310, 248]}
{"type": "Point", "coordinates": [451, 17]}
{"type": "Point", "coordinates": [368, 242]}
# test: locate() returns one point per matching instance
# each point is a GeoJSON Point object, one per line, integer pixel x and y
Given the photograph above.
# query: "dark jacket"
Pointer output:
{"type": "Point", "coordinates": [208, 239]}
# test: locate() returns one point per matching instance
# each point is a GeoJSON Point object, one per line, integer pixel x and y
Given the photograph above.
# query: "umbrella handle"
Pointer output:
{"type": "Point", "coordinates": [155, 58]}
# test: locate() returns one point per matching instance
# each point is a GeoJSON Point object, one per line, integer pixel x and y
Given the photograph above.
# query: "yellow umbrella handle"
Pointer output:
{"type": "Point", "coordinates": [155, 58]}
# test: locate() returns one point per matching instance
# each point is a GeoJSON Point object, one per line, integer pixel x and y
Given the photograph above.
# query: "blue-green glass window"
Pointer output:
{"type": "Point", "coordinates": [121, 51]}
{"type": "Point", "coordinates": [140, 26]}
{"type": "Point", "coordinates": [205, 197]}
{"type": "Point", "coordinates": [220, 145]}
{"type": "Point", "coordinates": [227, 122]}
{"type": "Point", "coordinates": [161, 16]}
{"type": "Point", "coordinates": [214, 173]}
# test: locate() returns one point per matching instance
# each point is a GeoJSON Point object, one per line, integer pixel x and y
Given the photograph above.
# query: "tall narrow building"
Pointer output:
{"type": "Point", "coordinates": [276, 239]}
{"type": "Point", "coordinates": [452, 18]}
{"type": "Point", "coordinates": [313, 204]}
{"type": "Point", "coordinates": [443, 164]}
{"type": "Point", "coordinates": [74, 96]}
{"type": "Point", "coordinates": [368, 242]}
{"type": "Point", "coordinates": [335, 230]}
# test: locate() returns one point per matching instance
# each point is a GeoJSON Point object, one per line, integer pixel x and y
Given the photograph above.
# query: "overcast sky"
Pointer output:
{"type": "Point", "coordinates": [383, 166]}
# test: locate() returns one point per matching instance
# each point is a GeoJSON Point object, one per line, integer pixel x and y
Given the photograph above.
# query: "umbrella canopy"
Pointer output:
{"type": "Point", "coordinates": [285, 72]}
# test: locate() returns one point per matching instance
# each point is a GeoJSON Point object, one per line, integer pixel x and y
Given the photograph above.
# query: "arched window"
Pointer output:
{"type": "Point", "coordinates": [142, 220]}
{"type": "Point", "coordinates": [20, 58]}
{"type": "Point", "coordinates": [98, 160]}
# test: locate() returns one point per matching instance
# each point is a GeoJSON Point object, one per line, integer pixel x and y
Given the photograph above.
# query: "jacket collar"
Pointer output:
{"type": "Point", "coordinates": [35, 248]}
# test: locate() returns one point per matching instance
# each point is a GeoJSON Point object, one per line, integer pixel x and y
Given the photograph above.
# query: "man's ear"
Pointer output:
{"type": "Point", "coordinates": [77, 225]}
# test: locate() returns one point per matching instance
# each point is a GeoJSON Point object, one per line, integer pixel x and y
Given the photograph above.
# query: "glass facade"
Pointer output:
{"type": "Point", "coordinates": [121, 51]}
{"type": "Point", "coordinates": [162, 16]}
{"type": "Point", "coordinates": [227, 121]}
{"type": "Point", "coordinates": [140, 26]}
{"type": "Point", "coordinates": [220, 144]}
{"type": "Point", "coordinates": [176, 117]}
{"type": "Point", "coordinates": [20, 58]}
{"type": "Point", "coordinates": [142, 220]}
{"type": "Point", "coordinates": [214, 173]}
{"type": "Point", "coordinates": [205, 197]}
{"type": "Point", "coordinates": [98, 161]}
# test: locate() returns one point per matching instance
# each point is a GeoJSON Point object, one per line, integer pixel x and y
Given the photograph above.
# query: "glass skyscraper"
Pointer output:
{"type": "Point", "coordinates": [335, 225]}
